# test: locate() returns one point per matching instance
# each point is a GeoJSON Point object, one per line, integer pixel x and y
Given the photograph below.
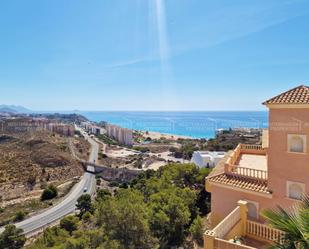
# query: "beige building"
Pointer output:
{"type": "Point", "coordinates": [121, 135]}
{"type": "Point", "coordinates": [91, 128]}
{"type": "Point", "coordinates": [62, 129]}
{"type": "Point", "coordinates": [254, 178]}
{"type": "Point", "coordinates": [23, 124]}
{"type": "Point", "coordinates": [35, 124]}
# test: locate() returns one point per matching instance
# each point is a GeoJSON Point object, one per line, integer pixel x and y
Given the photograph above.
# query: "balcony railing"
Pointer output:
{"type": "Point", "coordinates": [234, 156]}
{"type": "Point", "coordinates": [227, 224]}
{"type": "Point", "coordinates": [232, 167]}
{"type": "Point", "coordinates": [264, 232]}
{"type": "Point", "coordinates": [252, 147]}
{"type": "Point", "coordinates": [237, 223]}
{"type": "Point", "coordinates": [224, 244]}
{"type": "Point", "coordinates": [246, 172]}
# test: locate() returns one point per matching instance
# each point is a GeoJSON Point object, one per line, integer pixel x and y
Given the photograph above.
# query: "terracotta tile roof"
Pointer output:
{"type": "Point", "coordinates": [297, 95]}
{"type": "Point", "coordinates": [241, 182]}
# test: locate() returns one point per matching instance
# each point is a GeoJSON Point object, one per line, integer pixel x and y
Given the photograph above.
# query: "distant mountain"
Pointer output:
{"type": "Point", "coordinates": [14, 109]}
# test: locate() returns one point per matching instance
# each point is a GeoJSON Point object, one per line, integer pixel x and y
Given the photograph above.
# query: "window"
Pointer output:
{"type": "Point", "coordinates": [253, 208]}
{"type": "Point", "coordinates": [297, 143]}
{"type": "Point", "coordinates": [295, 190]}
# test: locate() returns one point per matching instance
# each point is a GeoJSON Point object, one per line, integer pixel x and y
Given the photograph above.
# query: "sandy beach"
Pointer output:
{"type": "Point", "coordinates": [158, 135]}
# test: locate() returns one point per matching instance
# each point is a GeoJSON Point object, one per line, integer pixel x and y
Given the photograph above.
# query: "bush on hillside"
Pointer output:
{"type": "Point", "coordinates": [19, 216]}
{"type": "Point", "coordinates": [49, 193]}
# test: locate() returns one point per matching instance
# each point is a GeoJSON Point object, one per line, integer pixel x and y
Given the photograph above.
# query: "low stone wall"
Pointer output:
{"type": "Point", "coordinates": [117, 174]}
{"type": "Point", "coordinates": [112, 174]}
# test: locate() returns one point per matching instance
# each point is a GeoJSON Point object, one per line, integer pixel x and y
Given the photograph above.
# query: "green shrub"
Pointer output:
{"type": "Point", "coordinates": [87, 216]}
{"type": "Point", "coordinates": [75, 244]}
{"type": "Point", "coordinates": [141, 149]}
{"type": "Point", "coordinates": [49, 193]}
{"type": "Point", "coordinates": [173, 149]}
{"type": "Point", "coordinates": [31, 180]}
{"type": "Point", "coordinates": [84, 204]}
{"type": "Point", "coordinates": [196, 229]}
{"type": "Point", "coordinates": [19, 216]}
{"type": "Point", "coordinates": [98, 181]}
{"type": "Point", "coordinates": [69, 223]}
{"type": "Point", "coordinates": [12, 238]}
{"type": "Point", "coordinates": [103, 194]}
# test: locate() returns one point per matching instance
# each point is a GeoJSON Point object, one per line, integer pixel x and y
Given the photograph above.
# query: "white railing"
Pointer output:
{"type": "Point", "coordinates": [251, 147]}
{"type": "Point", "coordinates": [247, 172]}
{"type": "Point", "coordinates": [227, 224]}
{"type": "Point", "coordinates": [231, 165]}
{"type": "Point", "coordinates": [264, 232]}
{"type": "Point", "coordinates": [245, 148]}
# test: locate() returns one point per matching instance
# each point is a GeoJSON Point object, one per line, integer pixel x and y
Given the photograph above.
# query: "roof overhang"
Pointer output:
{"type": "Point", "coordinates": [287, 106]}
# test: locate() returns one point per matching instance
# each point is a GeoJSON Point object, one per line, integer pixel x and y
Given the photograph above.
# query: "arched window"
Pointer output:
{"type": "Point", "coordinates": [252, 210]}
{"type": "Point", "coordinates": [297, 143]}
{"type": "Point", "coordinates": [295, 191]}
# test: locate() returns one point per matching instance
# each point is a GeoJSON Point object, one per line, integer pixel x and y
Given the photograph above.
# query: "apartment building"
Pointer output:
{"type": "Point", "coordinates": [35, 124]}
{"type": "Point", "coordinates": [62, 129]}
{"type": "Point", "coordinates": [121, 135]}
{"type": "Point", "coordinates": [255, 178]}
{"type": "Point", "coordinates": [91, 128]}
{"type": "Point", "coordinates": [24, 124]}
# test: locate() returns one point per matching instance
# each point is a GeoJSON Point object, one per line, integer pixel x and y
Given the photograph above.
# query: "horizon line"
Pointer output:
{"type": "Point", "coordinates": [221, 110]}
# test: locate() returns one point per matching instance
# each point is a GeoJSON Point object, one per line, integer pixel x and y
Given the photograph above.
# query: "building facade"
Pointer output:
{"type": "Point", "coordinates": [62, 129]}
{"type": "Point", "coordinates": [122, 135]}
{"type": "Point", "coordinates": [255, 178]}
{"type": "Point", "coordinates": [208, 159]}
{"type": "Point", "coordinates": [35, 124]}
{"type": "Point", "coordinates": [92, 128]}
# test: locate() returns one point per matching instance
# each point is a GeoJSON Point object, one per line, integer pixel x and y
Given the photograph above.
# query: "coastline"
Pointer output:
{"type": "Point", "coordinates": [157, 135]}
{"type": "Point", "coordinates": [195, 125]}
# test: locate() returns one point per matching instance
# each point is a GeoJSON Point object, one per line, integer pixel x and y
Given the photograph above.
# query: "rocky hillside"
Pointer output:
{"type": "Point", "coordinates": [29, 161]}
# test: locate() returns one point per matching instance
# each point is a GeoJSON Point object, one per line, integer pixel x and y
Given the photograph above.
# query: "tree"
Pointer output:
{"type": "Point", "coordinates": [84, 204]}
{"type": "Point", "coordinates": [196, 229]}
{"type": "Point", "coordinates": [111, 244]}
{"type": "Point", "coordinates": [170, 215]}
{"type": "Point", "coordinates": [75, 244]}
{"type": "Point", "coordinates": [12, 238]}
{"type": "Point", "coordinates": [125, 220]}
{"type": "Point", "coordinates": [182, 175]}
{"type": "Point", "coordinates": [96, 238]}
{"type": "Point", "coordinates": [294, 222]}
{"type": "Point", "coordinates": [203, 201]}
{"type": "Point", "coordinates": [87, 217]}
{"type": "Point", "coordinates": [49, 193]}
{"type": "Point", "coordinates": [103, 194]}
{"type": "Point", "coordinates": [69, 223]}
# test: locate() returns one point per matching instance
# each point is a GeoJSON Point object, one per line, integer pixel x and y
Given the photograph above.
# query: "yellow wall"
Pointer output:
{"type": "Point", "coordinates": [235, 231]}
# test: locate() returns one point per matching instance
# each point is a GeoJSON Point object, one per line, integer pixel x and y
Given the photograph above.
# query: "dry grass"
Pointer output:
{"type": "Point", "coordinates": [28, 161]}
{"type": "Point", "coordinates": [81, 147]}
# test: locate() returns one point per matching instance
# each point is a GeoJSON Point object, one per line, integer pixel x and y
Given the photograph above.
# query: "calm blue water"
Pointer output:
{"type": "Point", "coordinates": [194, 124]}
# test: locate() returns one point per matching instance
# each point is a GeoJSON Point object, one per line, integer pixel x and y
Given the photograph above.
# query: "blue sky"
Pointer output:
{"type": "Point", "coordinates": [151, 54]}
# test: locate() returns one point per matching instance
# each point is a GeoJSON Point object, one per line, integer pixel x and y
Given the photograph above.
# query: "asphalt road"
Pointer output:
{"type": "Point", "coordinates": [67, 206]}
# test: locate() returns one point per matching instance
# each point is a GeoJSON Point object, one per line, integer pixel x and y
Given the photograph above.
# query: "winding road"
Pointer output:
{"type": "Point", "coordinates": [87, 184]}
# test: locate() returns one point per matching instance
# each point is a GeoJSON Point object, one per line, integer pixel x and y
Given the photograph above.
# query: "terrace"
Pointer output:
{"type": "Point", "coordinates": [236, 231]}
{"type": "Point", "coordinates": [249, 161]}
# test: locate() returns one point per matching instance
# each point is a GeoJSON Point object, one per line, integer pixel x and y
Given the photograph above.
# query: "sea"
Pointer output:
{"type": "Point", "coordinates": [192, 124]}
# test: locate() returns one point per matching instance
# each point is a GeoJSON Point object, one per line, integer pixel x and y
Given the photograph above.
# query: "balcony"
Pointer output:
{"type": "Point", "coordinates": [237, 232]}
{"type": "Point", "coordinates": [248, 161]}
